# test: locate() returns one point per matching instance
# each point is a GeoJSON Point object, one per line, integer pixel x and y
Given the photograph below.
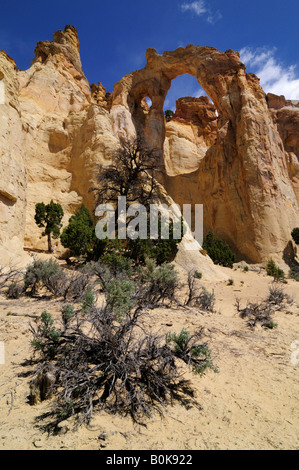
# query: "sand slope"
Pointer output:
{"type": "Point", "coordinates": [252, 403]}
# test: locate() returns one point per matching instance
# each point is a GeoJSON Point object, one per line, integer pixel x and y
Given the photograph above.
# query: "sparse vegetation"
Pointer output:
{"type": "Point", "coordinates": [273, 270]}
{"type": "Point", "coordinates": [202, 299]}
{"type": "Point", "coordinates": [186, 347]}
{"type": "Point", "coordinates": [218, 250]}
{"type": "Point", "coordinates": [15, 290]}
{"type": "Point", "coordinates": [48, 276]}
{"type": "Point", "coordinates": [278, 297]}
{"type": "Point", "coordinates": [42, 274]}
{"type": "Point", "coordinates": [104, 358]}
{"type": "Point", "coordinates": [197, 274]}
{"type": "Point", "coordinates": [257, 313]}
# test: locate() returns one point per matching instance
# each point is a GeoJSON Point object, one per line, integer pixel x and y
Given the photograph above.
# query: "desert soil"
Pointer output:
{"type": "Point", "coordinates": [251, 403]}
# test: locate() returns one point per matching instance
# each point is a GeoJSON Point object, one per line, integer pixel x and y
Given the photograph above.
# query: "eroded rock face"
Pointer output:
{"type": "Point", "coordinates": [189, 134]}
{"type": "Point", "coordinates": [243, 179]}
{"type": "Point", "coordinates": [66, 130]}
{"type": "Point", "coordinates": [285, 115]}
{"type": "Point", "coordinates": [12, 166]}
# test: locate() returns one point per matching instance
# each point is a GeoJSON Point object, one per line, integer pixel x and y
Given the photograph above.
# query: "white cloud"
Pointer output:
{"type": "Point", "coordinates": [199, 8]}
{"type": "Point", "coordinates": [274, 76]}
{"type": "Point", "coordinates": [214, 17]}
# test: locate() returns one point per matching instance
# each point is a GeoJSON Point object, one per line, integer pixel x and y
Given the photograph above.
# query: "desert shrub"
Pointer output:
{"type": "Point", "coordinates": [67, 313]}
{"type": "Point", "coordinates": [46, 336]}
{"type": "Point", "coordinates": [198, 356]}
{"type": "Point", "coordinates": [273, 270]}
{"type": "Point", "coordinates": [218, 250]}
{"type": "Point", "coordinates": [277, 296]}
{"type": "Point", "coordinates": [197, 274]}
{"type": "Point", "coordinates": [8, 276]}
{"type": "Point", "coordinates": [42, 274]}
{"type": "Point", "coordinates": [257, 313]}
{"type": "Point", "coordinates": [158, 284]}
{"type": "Point", "coordinates": [88, 299]}
{"type": "Point", "coordinates": [120, 296]}
{"type": "Point", "coordinates": [117, 263]}
{"type": "Point", "coordinates": [206, 300]}
{"type": "Point", "coordinates": [192, 289]}
{"type": "Point", "coordinates": [202, 299]}
{"type": "Point", "coordinates": [15, 290]}
{"type": "Point", "coordinates": [73, 285]}
{"type": "Point", "coordinates": [295, 235]}
{"type": "Point", "coordinates": [49, 275]}
{"type": "Point", "coordinates": [114, 367]}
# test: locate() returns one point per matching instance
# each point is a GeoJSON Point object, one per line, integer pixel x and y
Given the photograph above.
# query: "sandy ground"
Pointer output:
{"type": "Point", "coordinates": [252, 403]}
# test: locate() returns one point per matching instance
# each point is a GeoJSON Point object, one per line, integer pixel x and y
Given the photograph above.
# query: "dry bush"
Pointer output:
{"type": "Point", "coordinates": [257, 313]}
{"type": "Point", "coordinates": [105, 358]}
{"type": "Point", "coordinates": [104, 363]}
{"type": "Point", "coordinates": [204, 300]}
{"type": "Point", "coordinates": [278, 297]}
{"type": "Point", "coordinates": [9, 276]}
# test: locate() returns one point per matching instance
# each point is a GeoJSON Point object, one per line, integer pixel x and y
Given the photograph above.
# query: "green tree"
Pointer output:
{"type": "Point", "coordinates": [49, 217]}
{"type": "Point", "coordinates": [168, 114]}
{"type": "Point", "coordinates": [218, 250]}
{"type": "Point", "coordinates": [79, 235]}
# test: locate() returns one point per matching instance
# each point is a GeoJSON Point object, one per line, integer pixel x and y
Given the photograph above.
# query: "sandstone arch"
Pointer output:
{"type": "Point", "coordinates": [243, 180]}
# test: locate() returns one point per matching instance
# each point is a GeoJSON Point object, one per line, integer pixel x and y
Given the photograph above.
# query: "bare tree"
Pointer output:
{"type": "Point", "coordinates": [131, 174]}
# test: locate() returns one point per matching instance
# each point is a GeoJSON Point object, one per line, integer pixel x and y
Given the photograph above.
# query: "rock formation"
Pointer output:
{"type": "Point", "coordinates": [243, 180]}
{"type": "Point", "coordinates": [237, 154]}
{"type": "Point", "coordinates": [285, 114]}
{"type": "Point", "coordinates": [12, 165]}
{"type": "Point", "coordinates": [67, 131]}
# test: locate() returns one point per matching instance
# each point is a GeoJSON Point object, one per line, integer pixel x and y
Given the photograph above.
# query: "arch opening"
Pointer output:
{"type": "Point", "coordinates": [193, 108]}
{"type": "Point", "coordinates": [183, 86]}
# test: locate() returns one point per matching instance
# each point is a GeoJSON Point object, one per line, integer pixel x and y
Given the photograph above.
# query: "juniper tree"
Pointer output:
{"type": "Point", "coordinates": [49, 217]}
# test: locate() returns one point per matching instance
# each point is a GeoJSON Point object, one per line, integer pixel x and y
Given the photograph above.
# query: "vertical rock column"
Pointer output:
{"type": "Point", "coordinates": [12, 166]}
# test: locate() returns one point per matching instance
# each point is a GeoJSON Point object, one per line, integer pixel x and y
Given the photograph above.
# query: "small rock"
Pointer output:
{"type": "Point", "coordinates": [103, 436]}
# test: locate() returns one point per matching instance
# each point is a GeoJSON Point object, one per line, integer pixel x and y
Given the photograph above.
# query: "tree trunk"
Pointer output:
{"type": "Point", "coordinates": [49, 243]}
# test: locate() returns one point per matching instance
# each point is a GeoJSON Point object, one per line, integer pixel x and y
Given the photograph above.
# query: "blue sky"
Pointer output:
{"type": "Point", "coordinates": [115, 34]}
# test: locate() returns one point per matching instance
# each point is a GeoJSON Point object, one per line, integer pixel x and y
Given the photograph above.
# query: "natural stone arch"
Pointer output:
{"type": "Point", "coordinates": [215, 72]}
{"type": "Point", "coordinates": [243, 181]}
